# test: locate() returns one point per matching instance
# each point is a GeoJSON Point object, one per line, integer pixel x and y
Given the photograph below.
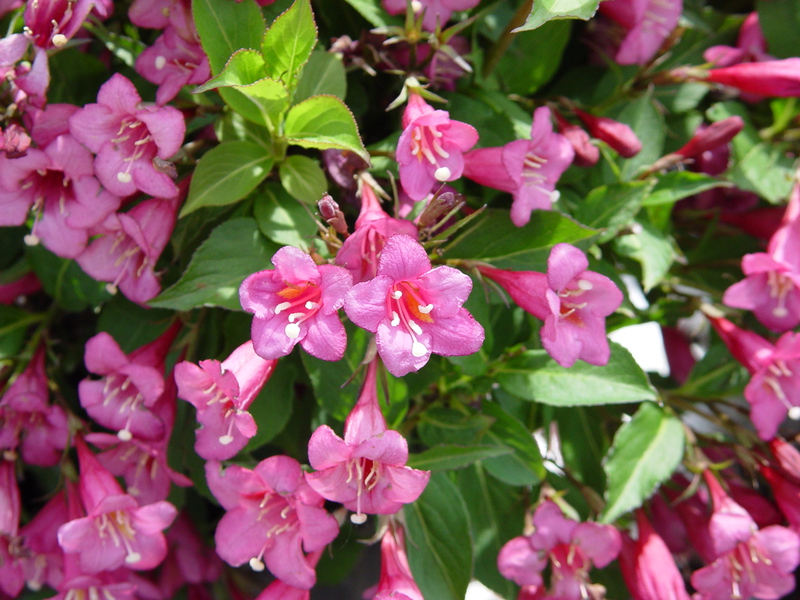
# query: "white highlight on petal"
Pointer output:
{"type": "Point", "coordinates": [426, 309]}
{"type": "Point", "coordinates": [59, 40]}
{"type": "Point", "coordinates": [160, 62]}
{"type": "Point", "coordinates": [281, 307]}
{"type": "Point", "coordinates": [794, 413]}
{"type": "Point", "coordinates": [358, 518]}
{"type": "Point", "coordinates": [418, 350]}
{"type": "Point", "coordinates": [292, 331]}
{"type": "Point", "coordinates": [395, 319]}
{"type": "Point", "coordinates": [414, 327]}
{"type": "Point", "coordinates": [125, 435]}
{"type": "Point", "coordinates": [442, 174]}
{"type": "Point", "coordinates": [124, 177]}
{"type": "Point", "coordinates": [780, 311]}
{"type": "Point", "coordinates": [256, 565]}
{"type": "Point", "coordinates": [225, 439]}
{"type": "Point", "coordinates": [133, 557]}
{"type": "Point", "coordinates": [311, 305]}
{"type": "Point", "coordinates": [397, 294]}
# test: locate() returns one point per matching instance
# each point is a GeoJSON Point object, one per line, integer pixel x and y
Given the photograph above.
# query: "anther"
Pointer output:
{"type": "Point", "coordinates": [395, 319]}
{"type": "Point", "coordinates": [426, 309]}
{"type": "Point", "coordinates": [397, 294]}
{"type": "Point", "coordinates": [292, 331]}
{"type": "Point", "coordinates": [442, 174]}
{"type": "Point", "coordinates": [124, 177]}
{"type": "Point", "coordinates": [358, 518]}
{"type": "Point", "coordinates": [256, 565]}
{"type": "Point", "coordinates": [160, 62]}
{"type": "Point", "coordinates": [225, 439]}
{"type": "Point", "coordinates": [282, 306]}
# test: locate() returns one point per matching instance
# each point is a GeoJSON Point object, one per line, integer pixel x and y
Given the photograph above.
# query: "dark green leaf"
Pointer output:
{"type": "Point", "coordinates": [324, 122]}
{"type": "Point", "coordinates": [225, 28]}
{"type": "Point", "coordinates": [445, 457]}
{"type": "Point", "coordinates": [780, 22]}
{"type": "Point", "coordinates": [303, 178]}
{"type": "Point", "coordinates": [678, 185]}
{"type": "Point", "coordinates": [132, 325]}
{"type": "Point", "coordinates": [374, 13]}
{"type": "Point", "coordinates": [441, 425]}
{"type": "Point", "coordinates": [524, 466]}
{"type": "Point", "coordinates": [612, 207]}
{"type": "Point", "coordinates": [535, 376]}
{"type": "Point", "coordinates": [65, 281]}
{"type": "Point", "coordinates": [546, 10]}
{"type": "Point", "coordinates": [273, 406]}
{"type": "Point", "coordinates": [646, 450]}
{"type": "Point", "coordinates": [283, 219]}
{"type": "Point", "coordinates": [288, 42]}
{"type": "Point", "coordinates": [532, 60]}
{"type": "Point", "coordinates": [14, 323]}
{"type": "Point", "coordinates": [438, 541]}
{"type": "Point", "coordinates": [647, 123]}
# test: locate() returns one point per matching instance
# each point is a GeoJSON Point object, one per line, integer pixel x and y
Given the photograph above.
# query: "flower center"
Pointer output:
{"type": "Point", "coordinates": [570, 308]}
{"type": "Point", "coordinates": [303, 301]}
{"type": "Point", "coordinates": [426, 144]}
{"type": "Point", "coordinates": [408, 309]}
{"type": "Point", "coordinates": [116, 525]}
{"type": "Point", "coordinates": [366, 473]}
{"type": "Point", "coordinates": [778, 373]}
{"type": "Point", "coordinates": [134, 142]}
{"type": "Point", "coordinates": [779, 287]}
{"type": "Point", "coordinates": [286, 520]}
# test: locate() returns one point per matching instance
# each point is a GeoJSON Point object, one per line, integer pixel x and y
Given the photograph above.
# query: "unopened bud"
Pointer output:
{"type": "Point", "coordinates": [586, 153]}
{"type": "Point", "coordinates": [439, 206]}
{"type": "Point", "coordinates": [330, 212]}
{"type": "Point", "coordinates": [712, 137]}
{"type": "Point", "coordinates": [617, 135]}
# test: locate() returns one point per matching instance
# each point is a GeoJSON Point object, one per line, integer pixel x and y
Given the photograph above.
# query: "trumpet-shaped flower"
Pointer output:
{"type": "Point", "coordinates": [396, 581]}
{"type": "Point", "coordinates": [647, 23]}
{"type": "Point", "coordinates": [436, 12]}
{"type": "Point", "coordinates": [416, 311]}
{"type": "Point", "coordinates": [297, 302]}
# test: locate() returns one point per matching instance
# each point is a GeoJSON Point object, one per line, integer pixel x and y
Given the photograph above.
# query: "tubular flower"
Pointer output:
{"type": "Point", "coordinates": [437, 12]}
{"type": "Point", "coordinates": [784, 480]}
{"type": "Point", "coordinates": [415, 310]}
{"type": "Point", "coordinates": [647, 24]}
{"type": "Point", "coordinates": [617, 135]}
{"type": "Point", "coordinates": [297, 302]}
{"type": "Point", "coordinates": [396, 581]}
{"type": "Point", "coordinates": [772, 78]}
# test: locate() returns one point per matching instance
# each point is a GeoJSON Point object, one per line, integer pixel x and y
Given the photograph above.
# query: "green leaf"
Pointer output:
{"type": "Point", "coordinates": [283, 219]}
{"type": "Point", "coordinates": [234, 127]}
{"type": "Point", "coordinates": [780, 23]}
{"type": "Point", "coordinates": [439, 425]}
{"type": "Point", "coordinates": [225, 28]}
{"type": "Point", "coordinates": [303, 178]}
{"type": "Point", "coordinates": [652, 249]}
{"type": "Point", "coordinates": [324, 73]}
{"type": "Point", "coordinates": [647, 123]}
{"type": "Point", "coordinates": [438, 542]}
{"type": "Point", "coordinates": [14, 323]}
{"type": "Point", "coordinates": [612, 207]}
{"type": "Point", "coordinates": [233, 251]}
{"type": "Point", "coordinates": [226, 174]}
{"type": "Point", "coordinates": [546, 10]}
{"type": "Point", "coordinates": [374, 13]}
{"type": "Point", "coordinates": [493, 238]}
{"type": "Point", "coordinates": [535, 376]}
{"type": "Point", "coordinates": [446, 457]}
{"type": "Point", "coordinates": [532, 60]}
{"type": "Point", "coordinates": [243, 68]}
{"type": "Point", "coordinates": [324, 122]}
{"type": "Point", "coordinates": [269, 99]}
{"type": "Point", "coordinates": [288, 42]}
{"type": "Point", "coordinates": [272, 407]}
{"type": "Point", "coordinates": [646, 451]}
{"type": "Point", "coordinates": [678, 185]}
{"type": "Point", "coordinates": [65, 281]}
{"type": "Point", "coordinates": [132, 325]}
{"type": "Point", "coordinates": [524, 466]}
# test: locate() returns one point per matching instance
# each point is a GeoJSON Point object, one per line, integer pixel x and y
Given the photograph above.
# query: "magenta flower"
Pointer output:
{"type": "Point", "coordinates": [750, 46]}
{"type": "Point", "coordinates": [773, 78]}
{"type": "Point", "coordinates": [131, 140]}
{"type": "Point", "coordinates": [273, 516]}
{"type": "Point", "coordinates": [528, 169]}
{"type": "Point", "coordinates": [647, 24]}
{"type": "Point", "coordinates": [116, 530]}
{"type": "Point", "coordinates": [415, 310]}
{"type": "Point", "coordinates": [396, 581]}
{"type": "Point", "coordinates": [750, 563]}
{"type": "Point", "coordinates": [366, 470]}
{"type": "Point", "coordinates": [617, 135]}
{"type": "Point", "coordinates": [278, 590]}
{"type": "Point", "coordinates": [431, 148]}
{"type": "Point", "coordinates": [44, 560]}
{"type": "Point", "coordinates": [296, 302]}
{"type": "Point", "coordinates": [586, 153]}
{"type": "Point", "coordinates": [568, 546]}
{"type": "Point", "coordinates": [436, 12]}
{"type": "Point", "coordinates": [12, 573]}
{"type": "Point", "coordinates": [784, 480]}
{"type": "Point", "coordinates": [222, 393]}
{"type": "Point", "coordinates": [51, 23]}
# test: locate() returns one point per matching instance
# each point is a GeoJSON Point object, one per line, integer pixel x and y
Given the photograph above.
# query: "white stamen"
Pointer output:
{"type": "Point", "coordinates": [414, 327]}
{"type": "Point", "coordinates": [418, 350]}
{"type": "Point", "coordinates": [358, 518]}
{"type": "Point", "coordinates": [160, 62]}
{"type": "Point", "coordinates": [281, 307]}
{"type": "Point", "coordinates": [426, 309]}
{"type": "Point", "coordinates": [295, 316]}
{"type": "Point", "coordinates": [292, 331]}
{"type": "Point", "coordinates": [311, 305]}
{"type": "Point", "coordinates": [397, 294]}
{"type": "Point", "coordinates": [256, 565]}
{"type": "Point", "coordinates": [442, 174]}
{"type": "Point", "coordinates": [416, 5]}
{"type": "Point", "coordinates": [225, 439]}
{"type": "Point", "coordinates": [125, 435]}
{"type": "Point", "coordinates": [584, 285]}
{"type": "Point", "coordinates": [794, 413]}
{"type": "Point", "coordinates": [59, 40]}
{"type": "Point", "coordinates": [395, 319]}
{"type": "Point", "coordinates": [31, 239]}
{"type": "Point", "coordinates": [780, 311]}
{"type": "Point", "coordinates": [133, 557]}
{"type": "Point", "coordinates": [124, 177]}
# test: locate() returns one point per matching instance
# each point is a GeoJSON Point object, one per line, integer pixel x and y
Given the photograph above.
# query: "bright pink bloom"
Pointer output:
{"type": "Point", "coordinates": [648, 567]}
{"type": "Point", "coordinates": [222, 393]}
{"type": "Point", "coordinates": [132, 140]}
{"type": "Point", "coordinates": [586, 153]}
{"type": "Point", "coordinates": [437, 12]}
{"type": "Point", "coordinates": [116, 530]}
{"type": "Point", "coordinates": [396, 581]}
{"type": "Point", "coordinates": [273, 515]}
{"type": "Point", "coordinates": [751, 563]}
{"type": "Point", "coordinates": [617, 135]}
{"type": "Point", "coordinates": [44, 561]}
{"type": "Point", "coordinates": [189, 560]}
{"type": "Point", "coordinates": [750, 46]}
{"type": "Point", "coordinates": [16, 290]}
{"type": "Point", "coordinates": [366, 470]}
{"type": "Point", "coordinates": [431, 148]}
{"type": "Point", "coordinates": [415, 310]}
{"type": "Point", "coordinates": [278, 590]}
{"type": "Point", "coordinates": [128, 246]}
{"type": "Point", "coordinates": [15, 141]}
{"type": "Point", "coordinates": [12, 574]}
{"type": "Point", "coordinates": [52, 23]}
{"type": "Point", "coordinates": [528, 169]}
{"type": "Point", "coordinates": [297, 302]}
{"type": "Point", "coordinates": [570, 547]}
{"type": "Point", "coordinates": [773, 78]}
{"type": "Point", "coordinates": [784, 479]}
{"type": "Point", "coordinates": [708, 138]}
{"type": "Point", "coordinates": [647, 23]}
{"type": "Point", "coordinates": [161, 14]}
{"type": "Point", "coordinates": [360, 251]}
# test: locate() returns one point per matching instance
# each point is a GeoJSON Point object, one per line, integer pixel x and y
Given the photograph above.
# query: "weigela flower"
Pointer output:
{"type": "Point", "coordinates": [273, 515]}
{"type": "Point", "coordinates": [784, 479]}
{"type": "Point", "coordinates": [431, 148]}
{"type": "Point", "coordinates": [297, 302]}
{"type": "Point", "coordinates": [617, 135]}
{"type": "Point", "coordinates": [12, 574]}
{"type": "Point", "coordinates": [437, 12]}
{"type": "Point", "coordinates": [52, 23]}
{"type": "Point", "coordinates": [751, 562]}
{"type": "Point", "coordinates": [189, 560]}
{"type": "Point", "coordinates": [416, 311]}
{"type": "Point", "coordinates": [366, 470]}
{"type": "Point", "coordinates": [568, 546]}
{"type": "Point", "coordinates": [222, 393]}
{"type": "Point", "coordinates": [773, 78]}
{"type": "Point", "coordinates": [44, 560]}
{"type": "Point", "coordinates": [131, 140]}
{"type": "Point", "coordinates": [396, 581]}
{"type": "Point", "coordinates": [647, 24]}
{"type": "Point", "coordinates": [750, 46]}
{"type": "Point", "coordinates": [586, 153]}
{"type": "Point", "coordinates": [279, 590]}
{"type": "Point", "coordinates": [528, 169]}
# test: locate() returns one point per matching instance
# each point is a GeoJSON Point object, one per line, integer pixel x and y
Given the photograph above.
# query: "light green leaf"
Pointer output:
{"type": "Point", "coordinates": [324, 122]}
{"type": "Point", "coordinates": [234, 127]}
{"type": "Point", "coordinates": [780, 22]}
{"type": "Point", "coordinates": [532, 60]}
{"type": "Point", "coordinates": [612, 207]}
{"type": "Point", "coordinates": [303, 178]}
{"type": "Point", "coordinates": [233, 251]}
{"type": "Point", "coordinates": [678, 185]}
{"type": "Point", "coordinates": [533, 375]}
{"type": "Point", "coordinates": [269, 98]}
{"type": "Point", "coordinates": [451, 456]}
{"type": "Point", "coordinates": [283, 219]}
{"type": "Point", "coordinates": [438, 540]}
{"type": "Point", "coordinates": [226, 174]}
{"type": "Point", "coordinates": [493, 238]}
{"type": "Point", "coordinates": [646, 451]}
{"type": "Point", "coordinates": [323, 74]}
{"type": "Point", "coordinates": [243, 68]}
{"type": "Point", "coordinates": [652, 249]}
{"type": "Point", "coordinates": [288, 42]}
{"type": "Point", "coordinates": [546, 10]}
{"type": "Point", "coordinates": [226, 27]}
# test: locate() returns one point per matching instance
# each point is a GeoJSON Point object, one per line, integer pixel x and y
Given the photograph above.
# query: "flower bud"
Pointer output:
{"type": "Point", "coordinates": [330, 212]}
{"type": "Point", "coordinates": [712, 137]}
{"type": "Point", "coordinates": [586, 153]}
{"type": "Point", "coordinates": [776, 78]}
{"type": "Point", "coordinates": [438, 208]}
{"type": "Point", "coordinates": [617, 135]}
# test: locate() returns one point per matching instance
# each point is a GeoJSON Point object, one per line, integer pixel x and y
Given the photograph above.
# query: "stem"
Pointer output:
{"type": "Point", "coordinates": [499, 49]}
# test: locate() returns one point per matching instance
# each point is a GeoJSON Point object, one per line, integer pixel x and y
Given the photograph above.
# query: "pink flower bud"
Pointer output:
{"type": "Point", "coordinates": [776, 78]}
{"type": "Point", "coordinates": [586, 153]}
{"type": "Point", "coordinates": [617, 135]}
{"type": "Point", "coordinates": [712, 137]}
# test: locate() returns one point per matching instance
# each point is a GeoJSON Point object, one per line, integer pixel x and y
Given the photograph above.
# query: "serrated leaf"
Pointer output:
{"type": "Point", "coordinates": [678, 185]}
{"type": "Point", "coordinates": [612, 207]}
{"type": "Point", "coordinates": [226, 27]}
{"type": "Point", "coordinates": [226, 174]}
{"type": "Point", "coordinates": [493, 238]}
{"type": "Point", "coordinates": [283, 219]}
{"type": "Point", "coordinates": [535, 376]}
{"type": "Point", "coordinates": [453, 457]}
{"type": "Point", "coordinates": [546, 10]}
{"type": "Point", "coordinates": [324, 73]}
{"type": "Point", "coordinates": [288, 42]}
{"type": "Point", "coordinates": [647, 123]}
{"type": "Point", "coordinates": [652, 249]}
{"type": "Point", "coordinates": [269, 97]}
{"type": "Point", "coordinates": [243, 68]}
{"type": "Point", "coordinates": [233, 251]}
{"type": "Point", "coordinates": [303, 178]}
{"type": "Point", "coordinates": [646, 451]}
{"type": "Point", "coordinates": [323, 122]}
{"type": "Point", "coordinates": [438, 541]}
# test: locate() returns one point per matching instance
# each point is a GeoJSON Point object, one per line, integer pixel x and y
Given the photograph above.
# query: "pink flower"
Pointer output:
{"type": "Point", "coordinates": [430, 149]}
{"type": "Point", "coordinates": [396, 581]}
{"type": "Point", "coordinates": [528, 169]}
{"type": "Point", "coordinates": [570, 548]}
{"type": "Point", "coordinates": [750, 563]}
{"type": "Point", "coordinates": [12, 575]}
{"type": "Point", "coordinates": [437, 12]}
{"type": "Point", "coordinates": [773, 78]}
{"type": "Point", "coordinates": [415, 310]}
{"type": "Point", "coordinates": [710, 138]}
{"type": "Point", "coordinates": [366, 470]}
{"type": "Point", "coordinates": [617, 135]}
{"type": "Point", "coordinates": [273, 515]}
{"type": "Point", "coordinates": [16, 290]}
{"type": "Point", "coordinates": [647, 23]}
{"type": "Point", "coordinates": [189, 560]}
{"type": "Point", "coordinates": [132, 141]}
{"type": "Point", "coordinates": [297, 302]}
{"type": "Point", "coordinates": [750, 46]}
{"type": "Point", "coordinates": [51, 23]}
{"type": "Point", "coordinates": [586, 153]}
{"type": "Point", "coordinates": [784, 479]}
{"type": "Point", "coordinates": [222, 393]}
